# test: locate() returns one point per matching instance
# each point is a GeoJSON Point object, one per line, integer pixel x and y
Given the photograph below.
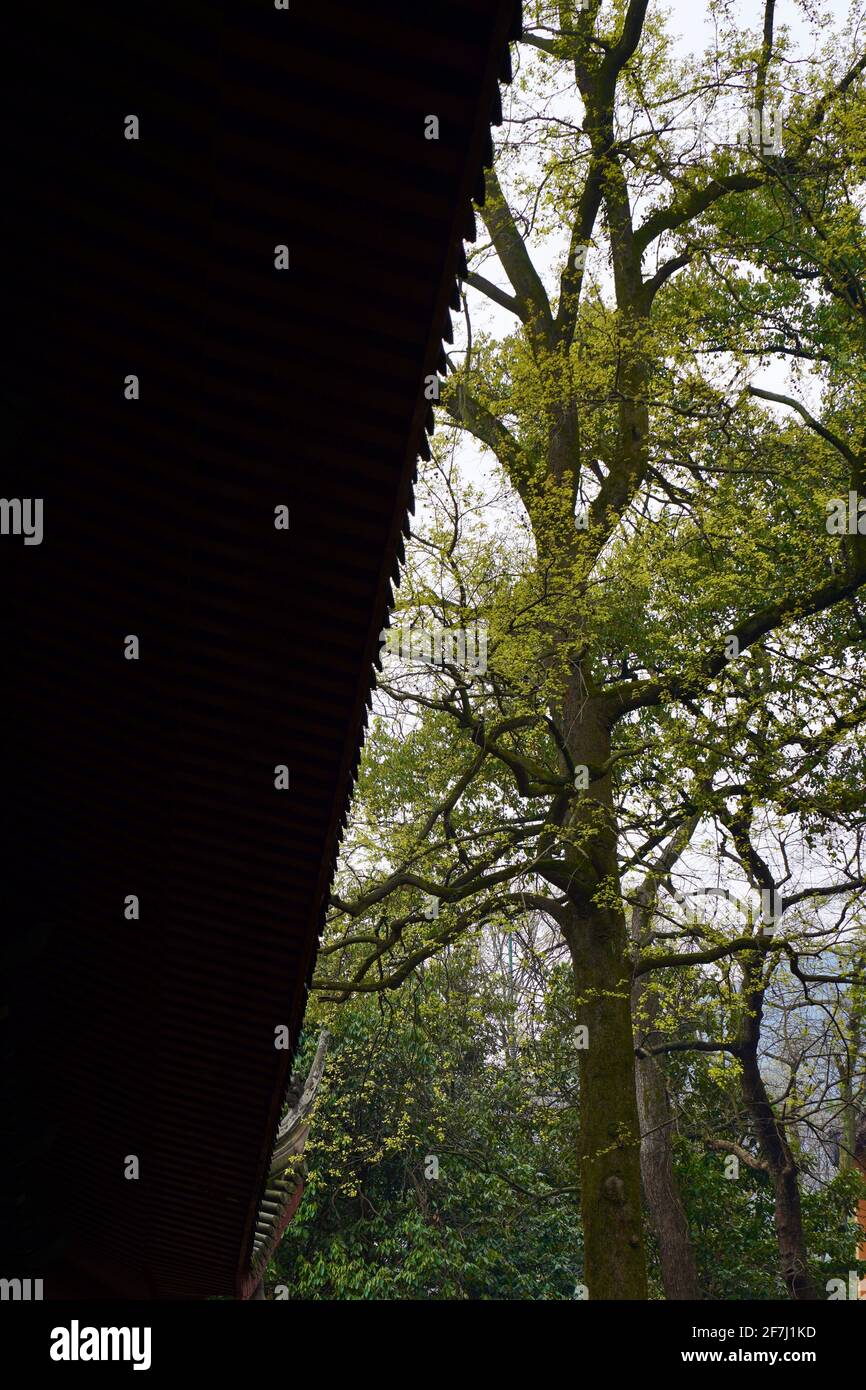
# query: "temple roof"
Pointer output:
{"type": "Point", "coordinates": [167, 895]}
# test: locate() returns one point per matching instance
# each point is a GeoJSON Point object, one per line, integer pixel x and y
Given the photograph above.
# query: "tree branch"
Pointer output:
{"type": "Point", "coordinates": [500, 297]}
{"type": "Point", "coordinates": [827, 435]}
{"type": "Point", "coordinates": [531, 296]}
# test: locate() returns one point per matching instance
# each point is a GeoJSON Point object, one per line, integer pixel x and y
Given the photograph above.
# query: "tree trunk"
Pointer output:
{"type": "Point", "coordinates": [774, 1146]}
{"type": "Point", "coordinates": [615, 1264]}
{"type": "Point", "coordinates": [595, 929]}
{"type": "Point", "coordinates": [679, 1270]}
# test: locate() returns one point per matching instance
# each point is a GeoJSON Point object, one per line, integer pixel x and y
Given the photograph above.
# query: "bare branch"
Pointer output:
{"type": "Point", "coordinates": [530, 294]}
{"type": "Point", "coordinates": [827, 435]}
{"type": "Point", "coordinates": [500, 297]}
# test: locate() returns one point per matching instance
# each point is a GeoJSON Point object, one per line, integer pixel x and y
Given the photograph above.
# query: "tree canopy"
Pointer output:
{"type": "Point", "coordinates": [618, 734]}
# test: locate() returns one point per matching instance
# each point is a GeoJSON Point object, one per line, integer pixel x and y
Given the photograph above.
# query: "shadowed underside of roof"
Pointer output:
{"type": "Point", "coordinates": [153, 1037]}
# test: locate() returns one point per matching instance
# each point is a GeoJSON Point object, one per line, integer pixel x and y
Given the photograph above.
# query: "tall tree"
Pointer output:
{"type": "Point", "coordinates": [668, 529]}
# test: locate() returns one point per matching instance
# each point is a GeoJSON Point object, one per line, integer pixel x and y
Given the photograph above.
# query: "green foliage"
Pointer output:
{"type": "Point", "coordinates": [655, 500]}
{"type": "Point", "coordinates": [437, 1072]}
